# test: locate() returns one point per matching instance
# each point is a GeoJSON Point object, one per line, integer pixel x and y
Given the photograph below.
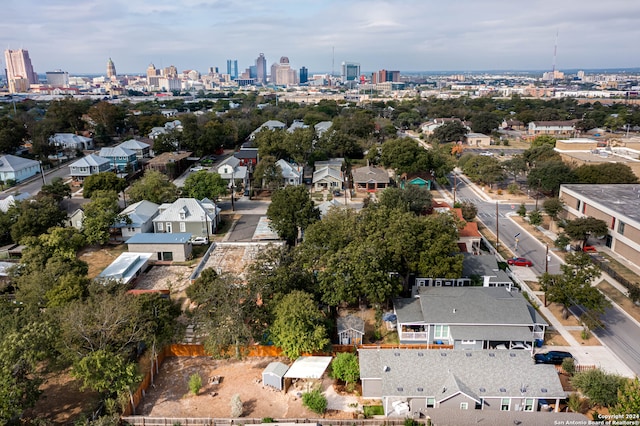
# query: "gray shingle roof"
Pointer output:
{"type": "Point", "coordinates": [276, 368]}
{"type": "Point", "coordinates": [90, 160]}
{"type": "Point", "coordinates": [12, 163]}
{"type": "Point", "coordinates": [370, 174]}
{"type": "Point", "coordinates": [350, 322]}
{"type": "Point", "coordinates": [478, 374]}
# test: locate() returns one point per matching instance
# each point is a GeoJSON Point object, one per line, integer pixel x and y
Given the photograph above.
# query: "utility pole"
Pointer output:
{"type": "Point", "coordinates": [538, 192]}
{"type": "Point", "coordinates": [546, 260]}
{"type": "Point", "coordinates": [455, 185]}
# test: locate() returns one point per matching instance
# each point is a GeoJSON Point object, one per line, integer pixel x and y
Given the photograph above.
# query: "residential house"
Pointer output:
{"type": "Point", "coordinates": [468, 318]}
{"type": "Point", "coordinates": [76, 219]}
{"type": "Point", "coordinates": [17, 169]}
{"type": "Point", "coordinates": [137, 218]}
{"type": "Point", "coordinates": [248, 155]}
{"type": "Point", "coordinates": [421, 179]}
{"type": "Point", "coordinates": [269, 125]}
{"type": "Point", "coordinates": [198, 217]}
{"type": "Point", "coordinates": [328, 174]}
{"type": "Point", "coordinates": [322, 127]}
{"type": "Point", "coordinates": [126, 268]}
{"type": "Point", "coordinates": [478, 139]}
{"type": "Point", "coordinates": [89, 165]}
{"type": "Point", "coordinates": [168, 127]}
{"type": "Point", "coordinates": [430, 126]}
{"type": "Point", "coordinates": [121, 159]}
{"type": "Point", "coordinates": [231, 170]}
{"type": "Point", "coordinates": [411, 381]}
{"type": "Point", "coordinates": [71, 141]}
{"type": "Point", "coordinates": [142, 149]}
{"type": "Point", "coordinates": [291, 173]}
{"type": "Point", "coordinates": [10, 200]}
{"type": "Point", "coordinates": [297, 124]}
{"type": "Point", "coordinates": [369, 179]}
{"type": "Point", "coordinates": [350, 330]}
{"type": "Point", "coordinates": [553, 128]}
{"type": "Point", "coordinates": [616, 205]}
{"type": "Point", "coordinates": [164, 247]}
{"type": "Point", "coordinates": [171, 164]}
{"type": "Point", "coordinates": [512, 124]}
{"type": "Point", "coordinates": [468, 237]}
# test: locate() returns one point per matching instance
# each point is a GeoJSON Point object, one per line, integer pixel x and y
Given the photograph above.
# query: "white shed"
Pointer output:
{"type": "Point", "coordinates": [273, 375]}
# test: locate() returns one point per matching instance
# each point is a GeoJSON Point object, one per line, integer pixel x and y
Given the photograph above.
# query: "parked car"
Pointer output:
{"type": "Point", "coordinates": [520, 261]}
{"type": "Point", "coordinates": [196, 168]}
{"type": "Point", "coordinates": [521, 346]}
{"type": "Point", "coordinates": [337, 193]}
{"type": "Point", "coordinates": [487, 153]}
{"type": "Point", "coordinates": [552, 357]}
{"type": "Point", "coordinates": [199, 241]}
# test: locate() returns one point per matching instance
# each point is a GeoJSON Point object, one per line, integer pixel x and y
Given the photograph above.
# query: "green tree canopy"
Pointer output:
{"type": "Point", "coordinates": [412, 198]}
{"type": "Point", "coordinates": [485, 122]}
{"type": "Point", "coordinates": [628, 398]}
{"type": "Point", "coordinates": [549, 175]}
{"type": "Point", "coordinates": [154, 187]}
{"type": "Point", "coordinates": [451, 131]}
{"type": "Point", "coordinates": [203, 184]}
{"type": "Point", "coordinates": [34, 217]}
{"type": "Point", "coordinates": [404, 155]}
{"type": "Point", "coordinates": [543, 140]}
{"type": "Point", "coordinates": [299, 325]}
{"type": "Point", "coordinates": [291, 211]}
{"type": "Point", "coordinates": [600, 387]}
{"type": "Point", "coordinates": [484, 169]}
{"type": "Point", "coordinates": [105, 372]}
{"type": "Point", "coordinates": [57, 189]}
{"type": "Point", "coordinates": [100, 214]}
{"type": "Point", "coordinates": [469, 210]}
{"type": "Point", "coordinates": [267, 173]}
{"type": "Point", "coordinates": [605, 173]}
{"type": "Point", "coordinates": [345, 367]}
{"type": "Point", "coordinates": [12, 134]}
{"type": "Point", "coordinates": [553, 207]}
{"type": "Point", "coordinates": [105, 181]}
{"type": "Point", "coordinates": [582, 228]}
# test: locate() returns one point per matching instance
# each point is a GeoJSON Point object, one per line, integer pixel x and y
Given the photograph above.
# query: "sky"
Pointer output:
{"type": "Point", "coordinates": [79, 36]}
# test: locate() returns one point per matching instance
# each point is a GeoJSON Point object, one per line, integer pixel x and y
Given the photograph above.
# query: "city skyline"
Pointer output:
{"type": "Point", "coordinates": [410, 35]}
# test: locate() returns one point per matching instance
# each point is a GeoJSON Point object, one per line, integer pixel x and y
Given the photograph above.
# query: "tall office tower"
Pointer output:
{"type": "Point", "coordinates": [282, 74]}
{"type": "Point", "coordinates": [261, 69]}
{"type": "Point", "coordinates": [111, 69]}
{"type": "Point", "coordinates": [232, 68]}
{"type": "Point", "coordinates": [58, 78]}
{"type": "Point", "coordinates": [152, 71]}
{"type": "Point", "coordinates": [383, 76]}
{"type": "Point", "coordinates": [170, 72]}
{"type": "Point", "coordinates": [350, 71]}
{"type": "Point", "coordinates": [19, 71]}
{"type": "Point", "coordinates": [304, 75]}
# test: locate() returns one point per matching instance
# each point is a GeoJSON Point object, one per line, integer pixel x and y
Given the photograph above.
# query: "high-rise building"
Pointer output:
{"type": "Point", "coordinates": [170, 72]}
{"type": "Point", "coordinates": [384, 76]}
{"type": "Point", "coordinates": [232, 68]}
{"type": "Point", "coordinates": [261, 69]}
{"type": "Point", "coordinates": [304, 75]}
{"type": "Point", "coordinates": [19, 71]}
{"type": "Point", "coordinates": [282, 74]}
{"type": "Point", "coordinates": [350, 71]}
{"type": "Point", "coordinates": [58, 78]}
{"type": "Point", "coordinates": [111, 69]}
{"type": "Point", "coordinates": [152, 71]}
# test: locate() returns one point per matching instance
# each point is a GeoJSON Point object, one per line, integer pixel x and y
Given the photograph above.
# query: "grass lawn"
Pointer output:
{"type": "Point", "coordinates": [620, 299]}
{"type": "Point", "coordinates": [373, 410]}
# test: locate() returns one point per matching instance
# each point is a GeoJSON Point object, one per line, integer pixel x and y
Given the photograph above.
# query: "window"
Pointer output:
{"type": "Point", "coordinates": [577, 204]}
{"type": "Point", "coordinates": [505, 404]}
{"type": "Point", "coordinates": [169, 227]}
{"type": "Point", "coordinates": [528, 404]}
{"type": "Point", "coordinates": [431, 402]}
{"type": "Point", "coordinates": [183, 227]}
{"type": "Point", "coordinates": [468, 342]}
{"type": "Point", "coordinates": [441, 331]}
{"type": "Point", "coordinates": [621, 227]}
{"type": "Point", "coordinates": [464, 405]}
{"type": "Point", "coordinates": [160, 228]}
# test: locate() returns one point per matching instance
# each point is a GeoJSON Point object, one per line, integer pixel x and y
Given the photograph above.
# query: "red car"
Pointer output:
{"type": "Point", "coordinates": [520, 261]}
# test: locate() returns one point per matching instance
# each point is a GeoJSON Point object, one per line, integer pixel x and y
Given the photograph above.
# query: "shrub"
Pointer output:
{"type": "Point", "coordinates": [345, 367]}
{"type": "Point", "coordinates": [535, 218]}
{"type": "Point", "coordinates": [601, 388]}
{"type": "Point", "coordinates": [569, 366]}
{"type": "Point", "coordinates": [562, 241]}
{"type": "Point", "coordinates": [522, 210]}
{"type": "Point", "coordinates": [195, 383]}
{"type": "Point", "coordinates": [499, 191]}
{"type": "Point", "coordinates": [268, 420]}
{"type": "Point", "coordinates": [315, 401]}
{"type": "Point", "coordinates": [236, 406]}
{"type": "Point", "coordinates": [574, 402]}
{"type": "Point", "coordinates": [373, 410]}
{"type": "Point", "coordinates": [513, 188]}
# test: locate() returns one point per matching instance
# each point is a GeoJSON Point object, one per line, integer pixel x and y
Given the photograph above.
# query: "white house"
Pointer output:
{"type": "Point", "coordinates": [17, 168]}
{"type": "Point", "coordinates": [137, 219]}
{"type": "Point", "coordinates": [291, 173]}
{"type": "Point", "coordinates": [230, 169]}
{"type": "Point", "coordinates": [70, 141]}
{"type": "Point", "coordinates": [89, 165]}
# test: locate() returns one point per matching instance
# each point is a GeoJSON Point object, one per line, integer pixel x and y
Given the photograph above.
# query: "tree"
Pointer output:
{"type": "Point", "coordinates": [522, 210]}
{"type": "Point", "coordinates": [105, 372]}
{"type": "Point", "coordinates": [601, 388]}
{"type": "Point", "coordinates": [404, 155]}
{"type": "Point", "coordinates": [105, 181]}
{"type": "Point", "coordinates": [485, 122]}
{"type": "Point", "coordinates": [154, 187]}
{"type": "Point", "coordinates": [451, 131]}
{"type": "Point", "coordinates": [299, 325]}
{"type": "Point", "coordinates": [535, 217]}
{"type": "Point", "coordinates": [516, 166]}
{"type": "Point", "coordinates": [291, 211]}
{"type": "Point", "coordinates": [628, 398]}
{"type": "Point", "coordinates": [107, 116]}
{"type": "Point", "coordinates": [605, 173]}
{"type": "Point", "coordinates": [203, 184]}
{"type": "Point", "coordinates": [100, 214]}
{"type": "Point", "coordinates": [345, 367]}
{"type": "Point", "coordinates": [582, 228]}
{"type": "Point", "coordinates": [267, 173]}
{"type": "Point", "coordinates": [412, 198]}
{"type": "Point", "coordinates": [549, 175]}
{"type": "Point", "coordinates": [228, 311]}
{"type": "Point", "coordinates": [34, 217]}
{"type": "Point", "coordinates": [168, 142]}
{"type": "Point", "coordinates": [543, 140]}
{"type": "Point", "coordinates": [537, 155]}
{"type": "Point", "coordinates": [469, 210]}
{"type": "Point", "coordinates": [12, 134]}
{"type": "Point", "coordinates": [57, 189]}
{"type": "Point", "coordinates": [553, 207]}
{"type": "Point", "coordinates": [573, 287]}
{"type": "Point", "coordinates": [484, 169]}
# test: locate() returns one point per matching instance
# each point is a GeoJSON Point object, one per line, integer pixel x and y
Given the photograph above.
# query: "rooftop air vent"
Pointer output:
{"type": "Point", "coordinates": [443, 354]}
{"type": "Point", "coordinates": [543, 390]}
{"type": "Point", "coordinates": [503, 390]}
{"type": "Point", "coordinates": [468, 354]}
{"type": "Point", "coordinates": [483, 390]}
{"type": "Point", "coordinates": [420, 389]}
{"type": "Point", "coordinates": [400, 389]}
{"type": "Point", "coordinates": [420, 353]}
{"type": "Point", "coordinates": [512, 355]}
{"type": "Point", "coordinates": [386, 368]}
{"type": "Point", "coordinates": [491, 354]}
{"type": "Point", "coordinates": [396, 353]}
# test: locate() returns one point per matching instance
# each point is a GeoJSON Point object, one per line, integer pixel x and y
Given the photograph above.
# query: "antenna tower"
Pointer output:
{"type": "Point", "coordinates": [333, 60]}
{"type": "Point", "coordinates": [555, 53]}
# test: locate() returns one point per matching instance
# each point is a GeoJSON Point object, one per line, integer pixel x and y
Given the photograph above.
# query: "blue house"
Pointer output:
{"type": "Point", "coordinates": [121, 159]}
{"type": "Point", "coordinates": [17, 168]}
{"type": "Point", "coordinates": [421, 179]}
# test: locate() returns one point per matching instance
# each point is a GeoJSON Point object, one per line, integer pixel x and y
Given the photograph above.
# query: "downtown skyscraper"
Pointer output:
{"type": "Point", "coordinates": [261, 69]}
{"type": "Point", "coordinates": [19, 71]}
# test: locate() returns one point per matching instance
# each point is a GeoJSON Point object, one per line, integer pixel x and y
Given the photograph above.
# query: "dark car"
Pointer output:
{"type": "Point", "coordinates": [520, 261]}
{"type": "Point", "coordinates": [552, 357]}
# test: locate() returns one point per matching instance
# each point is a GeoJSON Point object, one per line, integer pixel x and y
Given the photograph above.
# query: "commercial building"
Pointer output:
{"type": "Point", "coordinates": [617, 205]}
{"type": "Point", "coordinates": [19, 71]}
{"type": "Point", "coordinates": [232, 68]}
{"type": "Point", "coordinates": [261, 69]}
{"type": "Point", "coordinates": [58, 78]}
{"type": "Point", "coordinates": [304, 75]}
{"type": "Point", "coordinates": [350, 71]}
{"type": "Point", "coordinates": [383, 76]}
{"type": "Point", "coordinates": [282, 74]}
{"type": "Point", "coordinates": [111, 69]}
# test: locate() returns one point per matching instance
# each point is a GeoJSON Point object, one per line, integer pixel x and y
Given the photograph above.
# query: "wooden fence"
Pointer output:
{"type": "Point", "coordinates": [579, 368]}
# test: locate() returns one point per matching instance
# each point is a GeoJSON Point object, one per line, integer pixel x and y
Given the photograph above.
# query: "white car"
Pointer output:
{"type": "Point", "coordinates": [196, 168]}
{"type": "Point", "coordinates": [521, 345]}
{"type": "Point", "coordinates": [199, 241]}
{"type": "Point", "coordinates": [487, 153]}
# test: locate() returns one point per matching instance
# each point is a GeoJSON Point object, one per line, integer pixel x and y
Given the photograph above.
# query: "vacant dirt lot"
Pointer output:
{"type": "Point", "coordinates": [170, 396]}
{"type": "Point", "coordinates": [166, 277]}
